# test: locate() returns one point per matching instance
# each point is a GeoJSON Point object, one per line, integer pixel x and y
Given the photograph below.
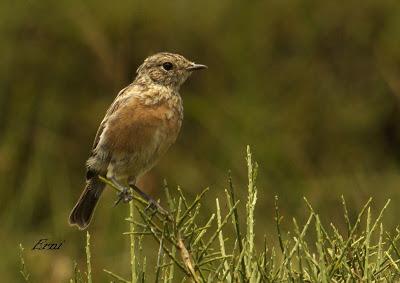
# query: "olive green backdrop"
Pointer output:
{"type": "Point", "coordinates": [312, 86]}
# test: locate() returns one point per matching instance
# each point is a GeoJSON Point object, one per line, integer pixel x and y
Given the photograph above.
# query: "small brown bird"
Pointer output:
{"type": "Point", "coordinates": [138, 128]}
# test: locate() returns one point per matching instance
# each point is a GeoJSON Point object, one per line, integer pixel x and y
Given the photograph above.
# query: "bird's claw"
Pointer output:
{"type": "Point", "coordinates": [152, 204]}
{"type": "Point", "coordinates": [125, 196]}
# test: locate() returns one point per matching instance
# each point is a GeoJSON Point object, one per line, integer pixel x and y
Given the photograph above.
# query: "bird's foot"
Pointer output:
{"type": "Point", "coordinates": [152, 204]}
{"type": "Point", "coordinates": [156, 206]}
{"type": "Point", "coordinates": [125, 195]}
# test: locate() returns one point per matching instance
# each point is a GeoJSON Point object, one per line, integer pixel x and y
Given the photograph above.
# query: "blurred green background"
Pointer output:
{"type": "Point", "coordinates": [312, 86]}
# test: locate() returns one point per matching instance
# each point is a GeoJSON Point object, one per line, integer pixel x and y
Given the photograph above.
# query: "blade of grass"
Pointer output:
{"type": "Point", "coordinates": [88, 258]}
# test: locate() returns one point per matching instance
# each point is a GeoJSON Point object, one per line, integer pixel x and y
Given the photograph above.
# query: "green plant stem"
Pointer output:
{"type": "Point", "coordinates": [88, 258]}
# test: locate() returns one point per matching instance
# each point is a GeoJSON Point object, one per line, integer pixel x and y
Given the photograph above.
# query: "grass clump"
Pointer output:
{"type": "Point", "coordinates": [191, 250]}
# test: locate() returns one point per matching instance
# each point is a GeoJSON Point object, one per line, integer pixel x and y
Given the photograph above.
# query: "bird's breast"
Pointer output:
{"type": "Point", "coordinates": [138, 133]}
{"type": "Point", "coordinates": [170, 115]}
{"type": "Point", "coordinates": [147, 128]}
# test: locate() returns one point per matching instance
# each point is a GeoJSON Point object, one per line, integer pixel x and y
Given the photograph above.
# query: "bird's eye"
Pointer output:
{"type": "Point", "coordinates": [167, 66]}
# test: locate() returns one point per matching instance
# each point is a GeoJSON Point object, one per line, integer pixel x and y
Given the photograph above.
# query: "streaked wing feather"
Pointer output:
{"type": "Point", "coordinates": [113, 107]}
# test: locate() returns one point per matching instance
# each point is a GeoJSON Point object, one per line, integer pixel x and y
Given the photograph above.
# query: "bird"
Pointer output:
{"type": "Point", "coordinates": [140, 125]}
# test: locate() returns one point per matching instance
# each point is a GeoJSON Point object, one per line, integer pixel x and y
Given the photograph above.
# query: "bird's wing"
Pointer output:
{"type": "Point", "coordinates": [121, 97]}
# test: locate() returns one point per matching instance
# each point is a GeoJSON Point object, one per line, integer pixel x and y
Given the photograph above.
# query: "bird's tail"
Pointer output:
{"type": "Point", "coordinates": [82, 212]}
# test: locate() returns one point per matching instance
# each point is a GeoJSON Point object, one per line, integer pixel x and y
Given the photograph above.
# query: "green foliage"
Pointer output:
{"type": "Point", "coordinates": [197, 251]}
{"type": "Point", "coordinates": [23, 270]}
{"type": "Point", "coordinates": [77, 275]}
{"type": "Point", "coordinates": [88, 259]}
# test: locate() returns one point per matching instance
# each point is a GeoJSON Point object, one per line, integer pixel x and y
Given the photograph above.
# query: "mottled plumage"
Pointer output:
{"type": "Point", "coordinates": [140, 125]}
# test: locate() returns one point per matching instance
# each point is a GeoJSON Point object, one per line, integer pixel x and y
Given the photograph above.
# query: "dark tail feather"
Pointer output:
{"type": "Point", "coordinates": [82, 212]}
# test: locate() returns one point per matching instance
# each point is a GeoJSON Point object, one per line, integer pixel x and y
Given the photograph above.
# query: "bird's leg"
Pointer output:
{"type": "Point", "coordinates": [150, 200]}
{"type": "Point", "coordinates": [124, 194]}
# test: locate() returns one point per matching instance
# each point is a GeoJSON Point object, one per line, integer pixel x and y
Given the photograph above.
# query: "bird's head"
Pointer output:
{"type": "Point", "coordinates": [167, 69]}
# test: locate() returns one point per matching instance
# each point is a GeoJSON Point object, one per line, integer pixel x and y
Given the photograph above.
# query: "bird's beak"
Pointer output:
{"type": "Point", "coordinates": [194, 67]}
